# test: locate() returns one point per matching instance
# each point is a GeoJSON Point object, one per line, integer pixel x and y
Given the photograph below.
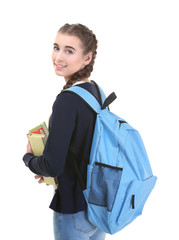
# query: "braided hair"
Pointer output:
{"type": "Point", "coordinates": [89, 42]}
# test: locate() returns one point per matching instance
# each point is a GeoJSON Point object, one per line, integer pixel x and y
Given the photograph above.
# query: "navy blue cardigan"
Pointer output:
{"type": "Point", "coordinates": [71, 126]}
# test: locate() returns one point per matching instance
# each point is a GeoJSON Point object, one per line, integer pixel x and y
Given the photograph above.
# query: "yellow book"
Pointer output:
{"type": "Point", "coordinates": [38, 142]}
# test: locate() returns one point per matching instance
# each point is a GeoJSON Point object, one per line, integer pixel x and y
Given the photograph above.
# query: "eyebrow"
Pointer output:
{"type": "Point", "coordinates": [55, 44]}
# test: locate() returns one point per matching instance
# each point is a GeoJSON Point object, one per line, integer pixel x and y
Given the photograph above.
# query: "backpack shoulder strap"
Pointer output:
{"type": "Point", "coordinates": [105, 102]}
{"type": "Point", "coordinates": [86, 96]}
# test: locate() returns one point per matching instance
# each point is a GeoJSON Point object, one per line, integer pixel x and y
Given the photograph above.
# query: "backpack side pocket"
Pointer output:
{"type": "Point", "coordinates": [105, 181]}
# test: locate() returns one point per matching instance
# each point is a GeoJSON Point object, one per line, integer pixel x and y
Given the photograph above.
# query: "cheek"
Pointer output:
{"type": "Point", "coordinates": [54, 55]}
{"type": "Point", "coordinates": [78, 62]}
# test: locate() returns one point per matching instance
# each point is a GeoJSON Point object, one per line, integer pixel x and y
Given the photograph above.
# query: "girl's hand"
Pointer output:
{"type": "Point", "coordinates": [41, 180]}
{"type": "Point", "coordinates": [29, 148]}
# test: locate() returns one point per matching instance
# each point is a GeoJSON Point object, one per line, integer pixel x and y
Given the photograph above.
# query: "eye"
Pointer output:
{"type": "Point", "coordinates": [55, 48]}
{"type": "Point", "coordinates": [69, 52]}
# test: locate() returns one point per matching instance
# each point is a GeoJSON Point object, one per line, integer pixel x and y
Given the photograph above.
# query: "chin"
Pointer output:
{"type": "Point", "coordinates": [59, 73]}
{"type": "Point", "coordinates": [62, 75]}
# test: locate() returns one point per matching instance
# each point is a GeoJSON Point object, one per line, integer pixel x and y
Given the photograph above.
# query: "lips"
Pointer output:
{"type": "Point", "coordinates": [59, 66]}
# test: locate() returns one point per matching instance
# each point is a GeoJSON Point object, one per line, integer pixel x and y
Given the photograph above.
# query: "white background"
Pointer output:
{"type": "Point", "coordinates": [138, 58]}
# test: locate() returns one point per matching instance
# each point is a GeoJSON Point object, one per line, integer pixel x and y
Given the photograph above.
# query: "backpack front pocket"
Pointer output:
{"type": "Point", "coordinates": [105, 180]}
{"type": "Point", "coordinates": [136, 197]}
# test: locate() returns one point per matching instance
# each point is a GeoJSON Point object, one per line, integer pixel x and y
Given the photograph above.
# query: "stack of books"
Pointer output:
{"type": "Point", "coordinates": [38, 138]}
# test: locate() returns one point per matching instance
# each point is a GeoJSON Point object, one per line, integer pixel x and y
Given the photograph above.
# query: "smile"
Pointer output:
{"type": "Point", "coordinates": [59, 67]}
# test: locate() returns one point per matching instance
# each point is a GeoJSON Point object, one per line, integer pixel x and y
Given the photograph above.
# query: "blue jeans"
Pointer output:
{"type": "Point", "coordinates": [75, 227]}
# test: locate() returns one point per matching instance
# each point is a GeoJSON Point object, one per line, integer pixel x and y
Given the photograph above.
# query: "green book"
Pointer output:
{"type": "Point", "coordinates": [42, 125]}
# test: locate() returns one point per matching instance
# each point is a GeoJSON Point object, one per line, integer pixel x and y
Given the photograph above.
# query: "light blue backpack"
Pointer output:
{"type": "Point", "coordinates": [119, 175]}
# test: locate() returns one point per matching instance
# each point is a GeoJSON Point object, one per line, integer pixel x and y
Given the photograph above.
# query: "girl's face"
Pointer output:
{"type": "Point", "coordinates": [67, 55]}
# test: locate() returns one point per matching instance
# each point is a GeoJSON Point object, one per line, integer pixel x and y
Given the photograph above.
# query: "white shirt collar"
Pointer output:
{"type": "Point", "coordinates": [79, 82]}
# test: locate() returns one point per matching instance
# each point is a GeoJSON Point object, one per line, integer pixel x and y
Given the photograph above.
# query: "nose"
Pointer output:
{"type": "Point", "coordinates": [59, 56]}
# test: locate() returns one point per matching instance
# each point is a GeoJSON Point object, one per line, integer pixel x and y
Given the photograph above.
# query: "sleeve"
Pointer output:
{"type": "Point", "coordinates": [63, 118]}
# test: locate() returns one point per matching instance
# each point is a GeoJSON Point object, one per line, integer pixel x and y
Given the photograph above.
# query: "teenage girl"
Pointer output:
{"type": "Point", "coordinates": [71, 127]}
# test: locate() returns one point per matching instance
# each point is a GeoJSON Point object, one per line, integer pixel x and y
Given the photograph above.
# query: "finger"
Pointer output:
{"type": "Point", "coordinates": [41, 180]}
{"type": "Point", "coordinates": [37, 176]}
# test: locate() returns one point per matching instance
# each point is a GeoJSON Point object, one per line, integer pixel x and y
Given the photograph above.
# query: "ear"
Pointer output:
{"type": "Point", "coordinates": [88, 58]}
